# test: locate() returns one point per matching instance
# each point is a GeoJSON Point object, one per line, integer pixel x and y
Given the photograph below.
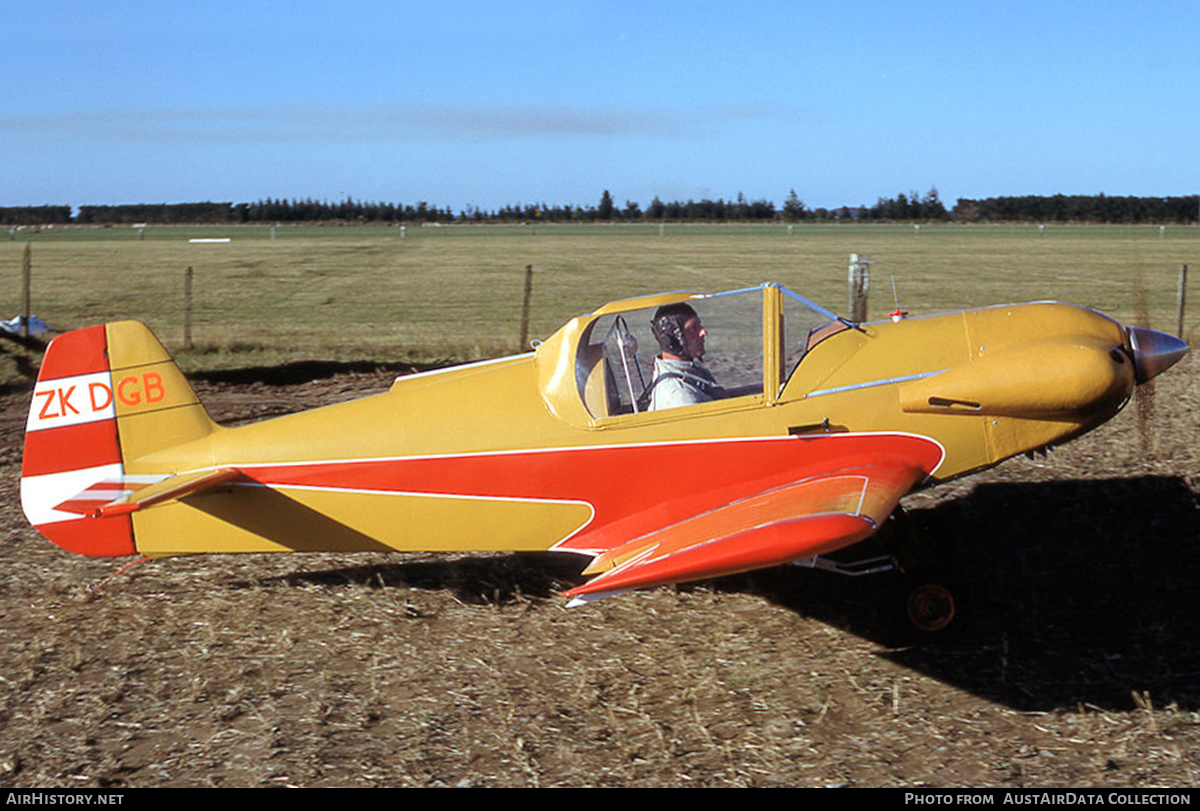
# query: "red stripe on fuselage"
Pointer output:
{"type": "Point", "coordinates": [633, 489]}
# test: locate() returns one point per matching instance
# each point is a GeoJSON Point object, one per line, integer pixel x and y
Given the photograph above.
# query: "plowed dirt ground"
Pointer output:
{"type": "Point", "coordinates": [1080, 665]}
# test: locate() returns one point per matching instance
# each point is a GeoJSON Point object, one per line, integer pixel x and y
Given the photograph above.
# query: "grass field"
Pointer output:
{"type": "Point", "coordinates": [454, 292]}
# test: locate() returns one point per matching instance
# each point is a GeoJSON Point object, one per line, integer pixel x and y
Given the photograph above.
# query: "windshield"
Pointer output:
{"type": "Point", "coordinates": [805, 325]}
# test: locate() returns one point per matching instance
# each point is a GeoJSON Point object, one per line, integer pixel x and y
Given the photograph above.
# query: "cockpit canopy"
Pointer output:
{"type": "Point", "coordinates": [754, 340]}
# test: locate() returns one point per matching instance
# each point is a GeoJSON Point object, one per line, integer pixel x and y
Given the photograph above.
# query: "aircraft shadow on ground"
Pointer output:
{"type": "Point", "coordinates": [1076, 592]}
{"type": "Point", "coordinates": [479, 579]}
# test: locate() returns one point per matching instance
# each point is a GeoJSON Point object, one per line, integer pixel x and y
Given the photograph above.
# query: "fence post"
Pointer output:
{"type": "Point", "coordinates": [521, 345]}
{"type": "Point", "coordinates": [187, 307]}
{"type": "Point", "coordinates": [26, 283]}
{"type": "Point", "coordinates": [860, 283]}
{"type": "Point", "coordinates": [1181, 300]}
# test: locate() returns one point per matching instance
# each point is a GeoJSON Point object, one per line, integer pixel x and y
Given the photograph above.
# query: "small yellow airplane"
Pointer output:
{"type": "Point", "coordinates": [671, 438]}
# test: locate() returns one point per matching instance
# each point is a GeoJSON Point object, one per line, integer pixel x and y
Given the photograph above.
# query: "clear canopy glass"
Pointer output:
{"type": "Point", "coordinates": [623, 368]}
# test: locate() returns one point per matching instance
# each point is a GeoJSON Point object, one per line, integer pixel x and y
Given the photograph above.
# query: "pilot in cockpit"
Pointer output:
{"type": "Point", "coordinates": [679, 377]}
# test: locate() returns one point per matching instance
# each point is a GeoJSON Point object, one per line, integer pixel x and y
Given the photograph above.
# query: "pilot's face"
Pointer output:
{"type": "Point", "coordinates": [693, 337]}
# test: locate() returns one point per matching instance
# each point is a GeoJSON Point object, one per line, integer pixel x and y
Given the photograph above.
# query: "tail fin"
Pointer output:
{"type": "Point", "coordinates": [105, 397]}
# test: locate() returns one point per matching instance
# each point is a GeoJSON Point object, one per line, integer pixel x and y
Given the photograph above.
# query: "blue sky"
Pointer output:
{"type": "Point", "coordinates": [464, 103]}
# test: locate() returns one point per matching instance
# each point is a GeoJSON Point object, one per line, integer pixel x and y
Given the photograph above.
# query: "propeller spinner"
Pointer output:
{"type": "Point", "coordinates": [1154, 352]}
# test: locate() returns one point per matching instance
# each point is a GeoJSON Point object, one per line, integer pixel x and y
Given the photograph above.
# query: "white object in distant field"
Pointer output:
{"type": "Point", "coordinates": [209, 240]}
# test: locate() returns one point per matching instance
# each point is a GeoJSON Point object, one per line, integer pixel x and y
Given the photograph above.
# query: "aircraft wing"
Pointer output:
{"type": "Point", "coordinates": [798, 520]}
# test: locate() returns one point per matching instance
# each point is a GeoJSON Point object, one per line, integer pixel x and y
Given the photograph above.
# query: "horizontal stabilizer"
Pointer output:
{"type": "Point", "coordinates": [121, 496]}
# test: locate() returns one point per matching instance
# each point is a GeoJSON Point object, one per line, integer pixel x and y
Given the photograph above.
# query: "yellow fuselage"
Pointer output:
{"type": "Point", "coordinates": [985, 384]}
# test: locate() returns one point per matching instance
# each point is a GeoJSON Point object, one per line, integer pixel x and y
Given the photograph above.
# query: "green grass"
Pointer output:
{"type": "Point", "coordinates": [454, 292]}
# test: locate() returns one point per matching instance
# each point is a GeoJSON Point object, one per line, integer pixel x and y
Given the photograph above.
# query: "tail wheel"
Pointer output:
{"type": "Point", "coordinates": [931, 607]}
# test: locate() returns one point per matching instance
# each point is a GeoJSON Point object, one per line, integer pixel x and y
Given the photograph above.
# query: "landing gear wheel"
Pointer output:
{"type": "Point", "coordinates": [930, 607]}
{"type": "Point", "coordinates": [924, 606]}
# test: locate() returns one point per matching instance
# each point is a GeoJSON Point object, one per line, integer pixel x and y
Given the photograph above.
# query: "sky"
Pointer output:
{"type": "Point", "coordinates": [461, 103]}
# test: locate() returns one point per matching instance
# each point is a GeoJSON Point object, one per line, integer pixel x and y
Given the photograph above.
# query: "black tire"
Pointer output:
{"type": "Point", "coordinates": [930, 606]}
{"type": "Point", "coordinates": [924, 605]}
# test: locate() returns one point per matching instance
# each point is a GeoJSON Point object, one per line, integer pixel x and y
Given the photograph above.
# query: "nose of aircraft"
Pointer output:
{"type": "Point", "coordinates": [1154, 352]}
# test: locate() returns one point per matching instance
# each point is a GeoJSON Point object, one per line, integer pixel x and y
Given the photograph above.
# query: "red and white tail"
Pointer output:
{"type": "Point", "coordinates": [106, 397]}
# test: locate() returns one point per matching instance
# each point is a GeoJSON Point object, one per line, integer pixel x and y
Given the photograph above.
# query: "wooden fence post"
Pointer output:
{"type": "Point", "coordinates": [860, 283]}
{"type": "Point", "coordinates": [521, 345]}
{"type": "Point", "coordinates": [187, 307]}
{"type": "Point", "coordinates": [1181, 300]}
{"type": "Point", "coordinates": [26, 283]}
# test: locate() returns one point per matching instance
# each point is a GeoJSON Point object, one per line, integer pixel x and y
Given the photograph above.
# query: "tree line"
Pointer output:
{"type": "Point", "coordinates": [1097, 208]}
{"type": "Point", "coordinates": [910, 207]}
